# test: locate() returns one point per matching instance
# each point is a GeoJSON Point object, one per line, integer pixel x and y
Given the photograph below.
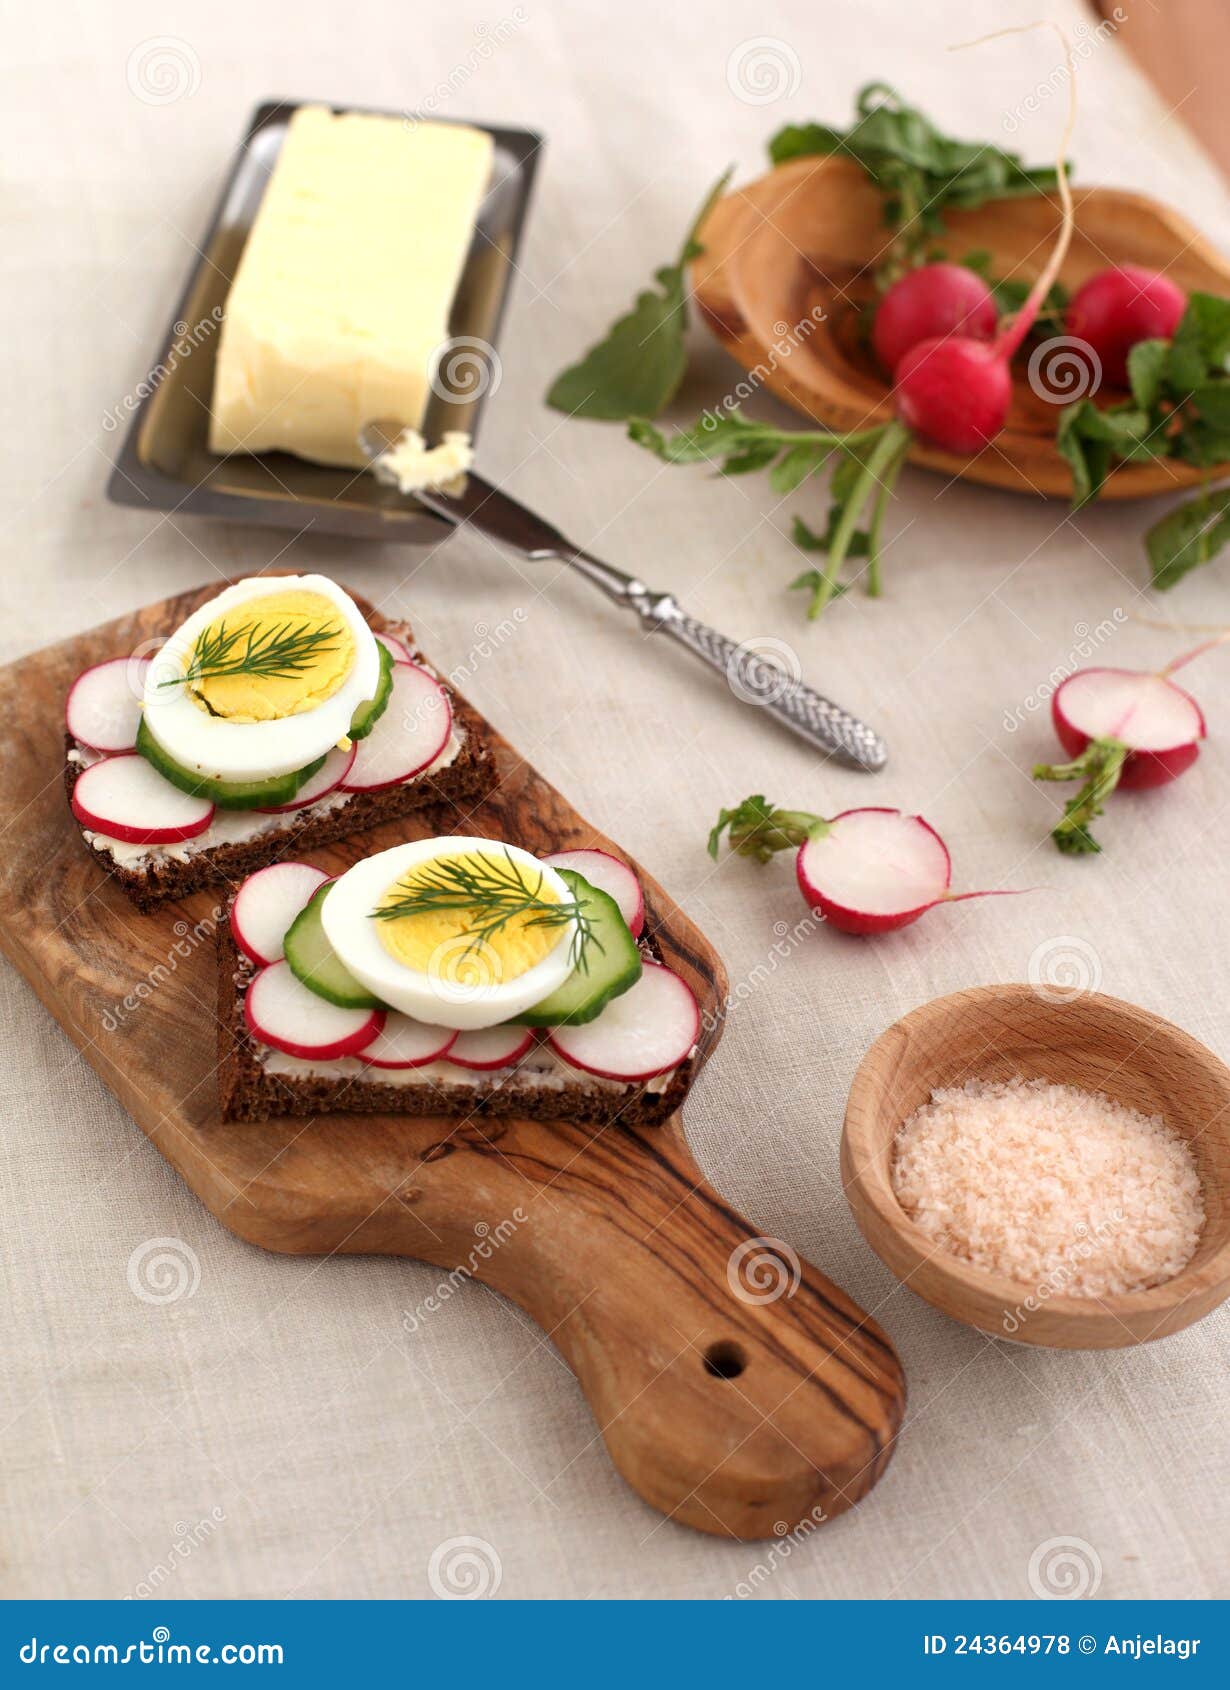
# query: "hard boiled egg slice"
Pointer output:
{"type": "Point", "coordinates": [427, 963]}
{"type": "Point", "coordinates": [263, 679]}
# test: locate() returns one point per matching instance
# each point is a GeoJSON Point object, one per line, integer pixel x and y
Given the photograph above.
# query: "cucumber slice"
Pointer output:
{"type": "Point", "coordinates": [367, 715]}
{"type": "Point", "coordinates": [612, 970]}
{"type": "Point", "coordinates": [227, 794]}
{"type": "Point", "coordinates": [315, 963]}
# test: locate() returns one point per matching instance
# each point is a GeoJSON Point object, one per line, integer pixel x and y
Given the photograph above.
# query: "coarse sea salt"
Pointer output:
{"type": "Point", "coordinates": [1046, 1184]}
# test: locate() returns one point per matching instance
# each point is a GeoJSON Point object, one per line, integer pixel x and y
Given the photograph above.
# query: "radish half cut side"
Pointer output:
{"type": "Point", "coordinates": [267, 903]}
{"type": "Point", "coordinates": [128, 800]}
{"type": "Point", "coordinates": [328, 777]}
{"type": "Point", "coordinates": [1160, 723]}
{"type": "Point", "coordinates": [411, 733]}
{"type": "Point", "coordinates": [609, 875]}
{"type": "Point", "coordinates": [875, 870]}
{"type": "Point", "coordinates": [103, 709]}
{"type": "Point", "coordinates": [397, 649]}
{"type": "Point", "coordinates": [639, 1034]}
{"type": "Point", "coordinates": [491, 1047]}
{"type": "Point", "coordinates": [281, 1012]}
{"type": "Point", "coordinates": [405, 1043]}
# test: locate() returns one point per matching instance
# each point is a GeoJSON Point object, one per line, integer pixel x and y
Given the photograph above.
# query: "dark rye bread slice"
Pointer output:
{"type": "Point", "coordinates": [247, 1093]}
{"type": "Point", "coordinates": [471, 774]}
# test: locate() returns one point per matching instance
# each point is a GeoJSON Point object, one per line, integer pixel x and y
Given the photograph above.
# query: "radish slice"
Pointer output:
{"type": "Point", "coordinates": [411, 733]}
{"type": "Point", "coordinates": [873, 870]}
{"type": "Point", "coordinates": [1159, 722]}
{"type": "Point", "coordinates": [128, 800]}
{"type": "Point", "coordinates": [492, 1047]}
{"type": "Point", "coordinates": [281, 1012]}
{"type": "Point", "coordinates": [609, 875]}
{"type": "Point", "coordinates": [397, 649]}
{"type": "Point", "coordinates": [267, 903]}
{"type": "Point", "coordinates": [103, 709]}
{"type": "Point", "coordinates": [641, 1033]}
{"type": "Point", "coordinates": [404, 1043]}
{"type": "Point", "coordinates": [332, 772]}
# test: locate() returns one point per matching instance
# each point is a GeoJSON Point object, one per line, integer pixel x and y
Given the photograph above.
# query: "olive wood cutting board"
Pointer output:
{"type": "Point", "coordinates": [798, 247]}
{"type": "Point", "coordinates": [736, 1389]}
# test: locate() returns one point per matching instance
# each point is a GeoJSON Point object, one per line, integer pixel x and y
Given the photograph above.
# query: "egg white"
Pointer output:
{"type": "Point", "coordinates": [239, 751]}
{"type": "Point", "coordinates": [346, 915]}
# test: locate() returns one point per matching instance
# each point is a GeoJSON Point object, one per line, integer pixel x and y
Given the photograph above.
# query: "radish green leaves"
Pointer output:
{"type": "Point", "coordinates": [919, 170]}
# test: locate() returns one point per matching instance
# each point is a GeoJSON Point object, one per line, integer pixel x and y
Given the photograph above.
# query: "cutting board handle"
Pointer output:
{"type": "Point", "coordinates": [736, 1389]}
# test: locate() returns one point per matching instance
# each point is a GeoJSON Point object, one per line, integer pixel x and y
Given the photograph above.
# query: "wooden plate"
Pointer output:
{"type": "Point", "coordinates": [736, 1388]}
{"type": "Point", "coordinates": [797, 247]}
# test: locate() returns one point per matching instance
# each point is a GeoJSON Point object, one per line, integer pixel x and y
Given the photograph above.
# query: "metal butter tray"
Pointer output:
{"type": "Point", "coordinates": [165, 462]}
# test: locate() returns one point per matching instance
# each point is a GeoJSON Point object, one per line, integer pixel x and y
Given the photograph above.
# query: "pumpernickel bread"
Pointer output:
{"type": "Point", "coordinates": [256, 1083]}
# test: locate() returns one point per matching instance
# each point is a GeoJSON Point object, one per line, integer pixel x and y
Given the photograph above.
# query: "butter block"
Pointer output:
{"type": "Point", "coordinates": [343, 292]}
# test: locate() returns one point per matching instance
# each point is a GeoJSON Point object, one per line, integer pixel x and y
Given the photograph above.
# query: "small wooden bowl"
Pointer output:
{"type": "Point", "coordinates": [799, 245]}
{"type": "Point", "coordinates": [1094, 1042]}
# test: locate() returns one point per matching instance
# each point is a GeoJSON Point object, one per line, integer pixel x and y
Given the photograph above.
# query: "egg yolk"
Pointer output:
{"type": "Point", "coordinates": [439, 943]}
{"type": "Point", "coordinates": [275, 656]}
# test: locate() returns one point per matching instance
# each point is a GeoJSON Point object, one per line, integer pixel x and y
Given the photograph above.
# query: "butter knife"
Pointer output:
{"type": "Point", "coordinates": [749, 676]}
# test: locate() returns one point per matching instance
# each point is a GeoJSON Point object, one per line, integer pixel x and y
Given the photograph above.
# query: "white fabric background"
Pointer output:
{"type": "Point", "coordinates": [283, 1394]}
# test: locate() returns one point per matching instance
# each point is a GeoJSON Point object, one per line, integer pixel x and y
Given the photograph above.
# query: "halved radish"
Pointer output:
{"type": "Point", "coordinates": [1160, 724]}
{"type": "Point", "coordinates": [128, 800]}
{"type": "Point", "coordinates": [492, 1047]}
{"type": "Point", "coordinates": [1120, 727]}
{"type": "Point", "coordinates": [397, 649]}
{"type": "Point", "coordinates": [328, 777]}
{"type": "Point", "coordinates": [643, 1032]}
{"type": "Point", "coordinates": [609, 875]}
{"type": "Point", "coordinates": [874, 870]}
{"type": "Point", "coordinates": [864, 871]}
{"type": "Point", "coordinates": [404, 1043]}
{"type": "Point", "coordinates": [103, 709]}
{"type": "Point", "coordinates": [281, 1012]}
{"type": "Point", "coordinates": [267, 903]}
{"type": "Point", "coordinates": [411, 733]}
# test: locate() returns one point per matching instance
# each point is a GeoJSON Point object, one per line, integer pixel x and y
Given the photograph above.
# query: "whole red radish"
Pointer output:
{"type": "Point", "coordinates": [865, 871]}
{"type": "Point", "coordinates": [1125, 728]}
{"type": "Point", "coordinates": [1118, 307]}
{"type": "Point", "coordinates": [930, 303]}
{"type": "Point", "coordinates": [954, 391]}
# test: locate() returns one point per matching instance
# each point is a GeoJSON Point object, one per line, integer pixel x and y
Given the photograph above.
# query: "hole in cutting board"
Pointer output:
{"type": "Point", "coordinates": [725, 1360]}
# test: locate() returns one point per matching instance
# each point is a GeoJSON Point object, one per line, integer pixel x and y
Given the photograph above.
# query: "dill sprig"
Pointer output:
{"type": "Point", "coordinates": [493, 890]}
{"type": "Point", "coordinates": [277, 652]}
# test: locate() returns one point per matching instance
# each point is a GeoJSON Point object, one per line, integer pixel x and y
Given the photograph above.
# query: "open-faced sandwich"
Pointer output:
{"type": "Point", "coordinates": [448, 975]}
{"type": "Point", "coordinates": [273, 720]}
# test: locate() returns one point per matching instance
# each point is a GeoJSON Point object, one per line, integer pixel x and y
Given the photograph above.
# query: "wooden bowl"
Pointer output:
{"type": "Point", "coordinates": [1094, 1042]}
{"type": "Point", "coordinates": [799, 245]}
